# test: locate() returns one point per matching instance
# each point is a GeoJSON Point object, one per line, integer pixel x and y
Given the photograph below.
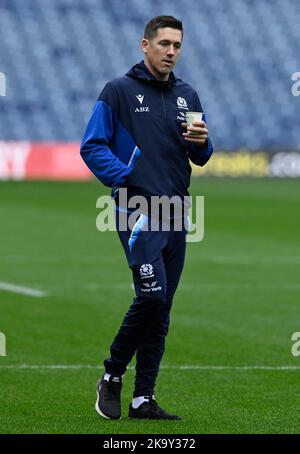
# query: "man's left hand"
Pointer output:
{"type": "Point", "coordinates": [198, 127]}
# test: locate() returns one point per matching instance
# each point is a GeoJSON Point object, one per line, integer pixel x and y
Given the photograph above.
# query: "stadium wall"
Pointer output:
{"type": "Point", "coordinates": [62, 161]}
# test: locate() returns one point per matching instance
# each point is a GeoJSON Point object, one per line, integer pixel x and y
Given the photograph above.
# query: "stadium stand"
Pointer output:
{"type": "Point", "coordinates": [240, 55]}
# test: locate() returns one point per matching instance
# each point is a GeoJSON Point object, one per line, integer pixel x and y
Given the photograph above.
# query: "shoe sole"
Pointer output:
{"type": "Point", "coordinates": [98, 409]}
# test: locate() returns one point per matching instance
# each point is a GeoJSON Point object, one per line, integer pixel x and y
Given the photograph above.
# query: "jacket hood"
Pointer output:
{"type": "Point", "coordinates": [142, 73]}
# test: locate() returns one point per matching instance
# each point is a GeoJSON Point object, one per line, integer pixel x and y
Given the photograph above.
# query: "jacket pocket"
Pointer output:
{"type": "Point", "coordinates": [132, 167]}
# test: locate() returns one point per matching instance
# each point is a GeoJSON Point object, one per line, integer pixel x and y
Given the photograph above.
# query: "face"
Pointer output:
{"type": "Point", "coordinates": [162, 51]}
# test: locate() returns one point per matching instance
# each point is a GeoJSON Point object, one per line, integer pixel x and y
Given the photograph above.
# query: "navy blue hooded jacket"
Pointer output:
{"type": "Point", "coordinates": [134, 136]}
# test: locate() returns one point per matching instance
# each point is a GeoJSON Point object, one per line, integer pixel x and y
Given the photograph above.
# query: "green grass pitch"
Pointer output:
{"type": "Point", "coordinates": [237, 305]}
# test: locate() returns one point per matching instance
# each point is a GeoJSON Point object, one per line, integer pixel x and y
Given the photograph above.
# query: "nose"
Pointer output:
{"type": "Point", "coordinates": [171, 51]}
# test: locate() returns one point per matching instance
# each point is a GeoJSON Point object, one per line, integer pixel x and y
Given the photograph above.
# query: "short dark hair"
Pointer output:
{"type": "Point", "coordinates": [161, 22]}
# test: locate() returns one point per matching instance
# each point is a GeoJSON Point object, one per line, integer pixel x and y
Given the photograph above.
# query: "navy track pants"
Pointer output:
{"type": "Point", "coordinates": [156, 259]}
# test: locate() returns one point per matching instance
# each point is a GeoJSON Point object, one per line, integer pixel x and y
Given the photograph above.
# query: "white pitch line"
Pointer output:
{"type": "Point", "coordinates": [7, 287]}
{"type": "Point", "coordinates": [187, 367]}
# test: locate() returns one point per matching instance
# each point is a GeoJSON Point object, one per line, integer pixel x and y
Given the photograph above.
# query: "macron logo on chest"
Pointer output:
{"type": "Point", "coordinates": [140, 98]}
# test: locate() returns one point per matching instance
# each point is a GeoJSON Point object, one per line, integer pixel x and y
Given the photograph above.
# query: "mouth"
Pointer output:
{"type": "Point", "coordinates": [168, 62]}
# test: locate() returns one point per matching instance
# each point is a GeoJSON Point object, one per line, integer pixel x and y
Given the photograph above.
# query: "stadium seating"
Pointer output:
{"type": "Point", "coordinates": [240, 55]}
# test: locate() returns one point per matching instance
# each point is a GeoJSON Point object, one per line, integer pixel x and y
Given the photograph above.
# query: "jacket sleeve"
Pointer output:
{"type": "Point", "coordinates": [200, 154]}
{"type": "Point", "coordinates": [95, 147]}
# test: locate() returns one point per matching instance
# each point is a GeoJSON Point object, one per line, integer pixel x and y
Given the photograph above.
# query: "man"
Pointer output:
{"type": "Point", "coordinates": [137, 139]}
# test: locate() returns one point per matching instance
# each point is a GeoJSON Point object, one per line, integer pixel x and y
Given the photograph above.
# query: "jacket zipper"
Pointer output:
{"type": "Point", "coordinates": [166, 140]}
{"type": "Point", "coordinates": [163, 101]}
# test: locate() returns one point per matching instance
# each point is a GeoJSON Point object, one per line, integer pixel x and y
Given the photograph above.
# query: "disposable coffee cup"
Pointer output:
{"type": "Point", "coordinates": [191, 117]}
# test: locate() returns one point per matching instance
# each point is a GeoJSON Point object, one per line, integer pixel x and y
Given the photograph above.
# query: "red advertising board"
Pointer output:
{"type": "Point", "coordinates": [45, 160]}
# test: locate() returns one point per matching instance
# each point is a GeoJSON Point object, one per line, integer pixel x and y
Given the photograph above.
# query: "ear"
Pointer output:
{"type": "Point", "coordinates": [144, 45]}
